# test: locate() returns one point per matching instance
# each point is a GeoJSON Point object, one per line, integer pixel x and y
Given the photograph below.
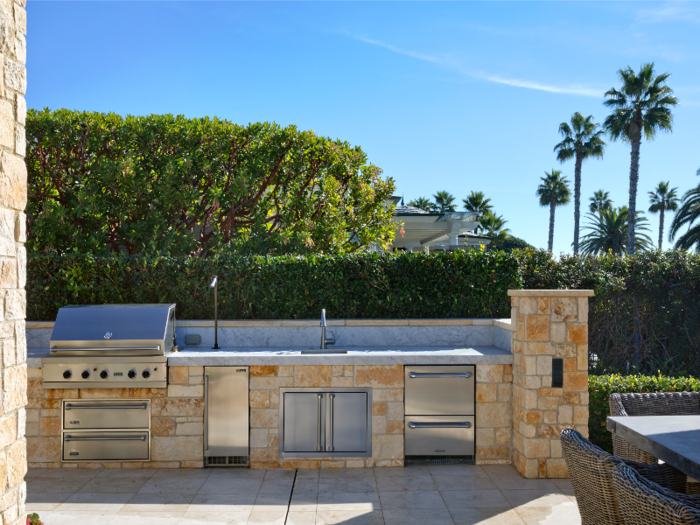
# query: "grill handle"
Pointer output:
{"type": "Point", "coordinates": [142, 437]}
{"type": "Point", "coordinates": [143, 406]}
{"type": "Point", "coordinates": [55, 349]}
{"type": "Point", "coordinates": [440, 425]}
{"type": "Point", "coordinates": [418, 375]}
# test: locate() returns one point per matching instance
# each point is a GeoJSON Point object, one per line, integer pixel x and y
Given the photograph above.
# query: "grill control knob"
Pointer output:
{"type": "Point", "coordinates": [85, 374]}
{"type": "Point", "coordinates": [131, 374]}
{"type": "Point", "coordinates": [104, 374]}
{"type": "Point", "coordinates": [146, 374]}
{"type": "Point", "coordinates": [67, 374]}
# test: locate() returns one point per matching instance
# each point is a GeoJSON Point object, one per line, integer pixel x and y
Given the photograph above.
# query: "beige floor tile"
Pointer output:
{"type": "Point", "coordinates": [407, 483]}
{"type": "Point", "coordinates": [455, 470]}
{"type": "Point", "coordinates": [513, 483]}
{"type": "Point", "coordinates": [214, 518]}
{"type": "Point", "coordinates": [163, 502]}
{"type": "Point", "coordinates": [177, 484]}
{"type": "Point", "coordinates": [129, 473]}
{"type": "Point", "coordinates": [331, 473]}
{"type": "Point", "coordinates": [235, 473]}
{"type": "Point", "coordinates": [474, 499]}
{"type": "Point", "coordinates": [301, 518]}
{"type": "Point", "coordinates": [501, 470]}
{"type": "Point", "coordinates": [266, 518]}
{"type": "Point", "coordinates": [411, 500]}
{"type": "Point", "coordinates": [417, 517]}
{"type": "Point", "coordinates": [482, 516]}
{"type": "Point", "coordinates": [146, 518]}
{"type": "Point", "coordinates": [277, 486]}
{"type": "Point", "coordinates": [231, 486]}
{"type": "Point", "coordinates": [564, 485]}
{"type": "Point", "coordinates": [271, 503]}
{"type": "Point", "coordinates": [397, 472]}
{"type": "Point", "coordinates": [347, 485]}
{"type": "Point", "coordinates": [307, 484]}
{"type": "Point", "coordinates": [36, 472]}
{"type": "Point", "coordinates": [95, 502]}
{"type": "Point", "coordinates": [308, 474]}
{"type": "Point", "coordinates": [556, 515]}
{"type": "Point", "coordinates": [43, 501]}
{"type": "Point", "coordinates": [66, 473]}
{"type": "Point", "coordinates": [349, 517]}
{"type": "Point", "coordinates": [42, 484]}
{"type": "Point", "coordinates": [222, 503]}
{"type": "Point", "coordinates": [280, 473]}
{"type": "Point", "coordinates": [476, 481]}
{"type": "Point", "coordinates": [536, 498]}
{"type": "Point", "coordinates": [304, 501]}
{"type": "Point", "coordinates": [341, 501]}
{"type": "Point", "coordinates": [74, 517]}
{"type": "Point", "coordinates": [113, 485]}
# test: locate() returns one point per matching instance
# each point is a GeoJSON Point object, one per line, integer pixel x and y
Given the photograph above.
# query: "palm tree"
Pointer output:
{"type": "Point", "coordinates": [609, 232]}
{"type": "Point", "coordinates": [600, 201]}
{"type": "Point", "coordinates": [642, 106]}
{"type": "Point", "coordinates": [493, 226]}
{"type": "Point", "coordinates": [423, 203]}
{"type": "Point", "coordinates": [582, 140]}
{"type": "Point", "coordinates": [663, 198]}
{"type": "Point", "coordinates": [688, 213]}
{"type": "Point", "coordinates": [553, 192]}
{"type": "Point", "coordinates": [444, 202]}
{"type": "Point", "coordinates": [477, 202]}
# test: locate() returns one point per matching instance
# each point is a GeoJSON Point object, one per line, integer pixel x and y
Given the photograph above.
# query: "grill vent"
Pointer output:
{"type": "Point", "coordinates": [227, 461]}
{"type": "Point", "coordinates": [439, 460]}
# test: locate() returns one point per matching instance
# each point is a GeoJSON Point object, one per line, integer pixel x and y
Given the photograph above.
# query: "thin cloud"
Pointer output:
{"type": "Point", "coordinates": [496, 79]}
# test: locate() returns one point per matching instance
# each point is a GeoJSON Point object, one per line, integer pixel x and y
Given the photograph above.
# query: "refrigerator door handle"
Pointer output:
{"type": "Point", "coordinates": [206, 412]}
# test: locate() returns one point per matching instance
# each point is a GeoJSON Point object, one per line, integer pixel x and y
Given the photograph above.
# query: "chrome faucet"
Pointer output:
{"type": "Point", "coordinates": [325, 341]}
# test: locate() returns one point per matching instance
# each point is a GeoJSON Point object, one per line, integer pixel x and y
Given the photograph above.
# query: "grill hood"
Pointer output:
{"type": "Point", "coordinates": [114, 329]}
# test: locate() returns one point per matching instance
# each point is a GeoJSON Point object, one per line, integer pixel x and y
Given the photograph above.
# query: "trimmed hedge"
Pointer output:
{"type": "Point", "coordinates": [470, 283]}
{"type": "Point", "coordinates": [600, 388]}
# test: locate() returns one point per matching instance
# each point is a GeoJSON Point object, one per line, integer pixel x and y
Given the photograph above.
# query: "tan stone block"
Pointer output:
{"type": "Point", "coordinates": [190, 429]}
{"type": "Point", "coordinates": [581, 415]}
{"type": "Point", "coordinates": [486, 453]}
{"type": "Point", "coordinates": [528, 365]}
{"type": "Point", "coordinates": [549, 392]}
{"type": "Point", "coordinates": [394, 411]}
{"type": "Point", "coordinates": [349, 371]}
{"type": "Point", "coordinates": [7, 124]}
{"type": "Point", "coordinates": [486, 392]}
{"type": "Point", "coordinates": [378, 409]}
{"type": "Point", "coordinates": [312, 376]}
{"type": "Point", "coordinates": [3, 478]}
{"type": "Point", "coordinates": [387, 446]}
{"type": "Point", "coordinates": [259, 399]}
{"type": "Point", "coordinates": [508, 369]}
{"type": "Point", "coordinates": [577, 333]}
{"type": "Point", "coordinates": [98, 393]}
{"type": "Point", "coordinates": [260, 465]}
{"type": "Point", "coordinates": [33, 373]}
{"type": "Point", "coordinates": [532, 416]}
{"type": "Point", "coordinates": [17, 462]}
{"type": "Point", "coordinates": [196, 370]}
{"type": "Point", "coordinates": [532, 469]}
{"type": "Point", "coordinates": [337, 370]}
{"type": "Point", "coordinates": [341, 382]}
{"type": "Point", "coordinates": [163, 426]}
{"type": "Point", "coordinates": [8, 278]}
{"type": "Point", "coordinates": [333, 464]}
{"type": "Point", "coordinates": [196, 380]}
{"type": "Point", "coordinates": [161, 464]}
{"type": "Point", "coordinates": [536, 448]}
{"type": "Point", "coordinates": [528, 306]}
{"type": "Point", "coordinates": [582, 358]}
{"type": "Point", "coordinates": [195, 419]}
{"type": "Point", "coordinates": [275, 399]}
{"type": "Point", "coordinates": [494, 414]}
{"type": "Point", "coordinates": [530, 382]}
{"type": "Point", "coordinates": [192, 464]}
{"type": "Point", "coordinates": [556, 469]}
{"type": "Point", "coordinates": [537, 327]}
{"type": "Point", "coordinates": [583, 398]}
{"type": "Point", "coordinates": [537, 349]}
{"type": "Point", "coordinates": [302, 465]}
{"type": "Point", "coordinates": [546, 381]}
{"type": "Point", "coordinates": [195, 391]}
{"type": "Point", "coordinates": [177, 448]}
{"type": "Point", "coordinates": [178, 374]}
{"type": "Point", "coordinates": [177, 407]}
{"type": "Point", "coordinates": [520, 328]}
{"type": "Point", "coordinates": [14, 387]}
{"type": "Point", "coordinates": [555, 448]}
{"type": "Point", "coordinates": [44, 449]}
{"type": "Point", "coordinates": [564, 309]}
{"type": "Point", "coordinates": [263, 371]}
{"type": "Point", "coordinates": [379, 425]}
{"type": "Point", "coordinates": [571, 398]}
{"type": "Point", "coordinates": [8, 430]}
{"type": "Point", "coordinates": [557, 332]}
{"type": "Point", "coordinates": [354, 463]}
{"type": "Point", "coordinates": [485, 437]}
{"type": "Point", "coordinates": [576, 381]}
{"type": "Point", "coordinates": [285, 371]}
{"type": "Point", "coordinates": [264, 454]}
{"type": "Point", "coordinates": [569, 365]}
{"type": "Point", "coordinates": [505, 392]}
{"type": "Point", "coordinates": [50, 426]}
{"type": "Point", "coordinates": [550, 431]}
{"type": "Point", "coordinates": [489, 374]}
{"type": "Point", "coordinates": [529, 399]}
{"type": "Point", "coordinates": [383, 395]}
{"type": "Point", "coordinates": [15, 301]}
{"type": "Point", "coordinates": [273, 440]}
{"type": "Point", "coordinates": [379, 376]}
{"type": "Point", "coordinates": [564, 350]}
{"type": "Point", "coordinates": [270, 383]}
{"type": "Point", "coordinates": [394, 427]}
{"type": "Point", "coordinates": [566, 414]}
{"type": "Point", "coordinates": [258, 437]}
{"type": "Point", "coordinates": [583, 429]}
{"type": "Point", "coordinates": [583, 309]}
{"type": "Point", "coordinates": [548, 403]}
{"type": "Point", "coordinates": [543, 305]}
{"type": "Point", "coordinates": [503, 436]}
{"type": "Point", "coordinates": [32, 429]}
{"type": "Point", "coordinates": [264, 418]}
{"type": "Point", "coordinates": [544, 366]}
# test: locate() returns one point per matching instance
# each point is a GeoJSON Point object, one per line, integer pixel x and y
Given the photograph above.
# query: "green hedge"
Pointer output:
{"type": "Point", "coordinates": [600, 388]}
{"type": "Point", "coordinates": [413, 285]}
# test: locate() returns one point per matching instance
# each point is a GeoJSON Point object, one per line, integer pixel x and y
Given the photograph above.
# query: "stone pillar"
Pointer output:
{"type": "Point", "coordinates": [548, 324]}
{"type": "Point", "coordinates": [13, 197]}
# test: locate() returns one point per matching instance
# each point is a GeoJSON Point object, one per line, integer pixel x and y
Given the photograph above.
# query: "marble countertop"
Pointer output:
{"type": "Point", "coordinates": [359, 355]}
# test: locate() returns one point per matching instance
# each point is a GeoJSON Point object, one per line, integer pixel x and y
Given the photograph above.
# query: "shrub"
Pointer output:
{"type": "Point", "coordinates": [600, 388]}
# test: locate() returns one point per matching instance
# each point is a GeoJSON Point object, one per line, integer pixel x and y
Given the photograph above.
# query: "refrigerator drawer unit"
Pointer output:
{"type": "Point", "coordinates": [439, 435]}
{"type": "Point", "coordinates": [226, 425]}
{"type": "Point", "coordinates": [120, 413]}
{"type": "Point", "coordinates": [439, 390]}
{"type": "Point", "coordinates": [106, 446]}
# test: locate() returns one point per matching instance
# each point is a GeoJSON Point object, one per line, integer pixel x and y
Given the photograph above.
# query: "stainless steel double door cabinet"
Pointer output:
{"type": "Point", "coordinates": [325, 422]}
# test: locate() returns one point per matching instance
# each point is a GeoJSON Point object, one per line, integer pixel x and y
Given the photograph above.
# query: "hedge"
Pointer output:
{"type": "Point", "coordinates": [600, 388]}
{"type": "Point", "coordinates": [413, 285]}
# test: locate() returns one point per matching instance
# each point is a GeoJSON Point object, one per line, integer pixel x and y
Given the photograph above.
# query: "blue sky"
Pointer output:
{"type": "Point", "coordinates": [442, 96]}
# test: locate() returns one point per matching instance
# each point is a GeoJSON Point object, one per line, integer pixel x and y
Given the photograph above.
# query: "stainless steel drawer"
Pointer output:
{"type": "Point", "coordinates": [439, 435]}
{"type": "Point", "coordinates": [106, 446]}
{"type": "Point", "coordinates": [439, 390]}
{"type": "Point", "coordinates": [97, 414]}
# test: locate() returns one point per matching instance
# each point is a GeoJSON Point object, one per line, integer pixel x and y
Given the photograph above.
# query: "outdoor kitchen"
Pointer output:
{"type": "Point", "coordinates": [129, 386]}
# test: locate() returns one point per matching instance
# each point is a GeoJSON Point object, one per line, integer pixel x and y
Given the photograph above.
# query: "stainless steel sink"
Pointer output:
{"type": "Point", "coordinates": [324, 351]}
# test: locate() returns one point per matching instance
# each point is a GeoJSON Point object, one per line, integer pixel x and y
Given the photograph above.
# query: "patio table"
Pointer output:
{"type": "Point", "coordinates": [673, 439]}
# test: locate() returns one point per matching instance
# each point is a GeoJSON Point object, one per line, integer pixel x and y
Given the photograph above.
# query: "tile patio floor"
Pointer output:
{"type": "Point", "coordinates": [444, 495]}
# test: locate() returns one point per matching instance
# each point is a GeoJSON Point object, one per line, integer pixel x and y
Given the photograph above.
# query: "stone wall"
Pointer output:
{"type": "Point", "coordinates": [548, 324]}
{"type": "Point", "coordinates": [494, 414]}
{"type": "Point", "coordinates": [387, 412]}
{"type": "Point", "coordinates": [13, 198]}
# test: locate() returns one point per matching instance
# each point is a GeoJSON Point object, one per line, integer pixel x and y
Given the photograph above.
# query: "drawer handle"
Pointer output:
{"type": "Point", "coordinates": [319, 398]}
{"type": "Point", "coordinates": [417, 375]}
{"type": "Point", "coordinates": [439, 425]}
{"type": "Point", "coordinates": [142, 437]}
{"type": "Point", "coordinates": [105, 349]}
{"type": "Point", "coordinates": [143, 406]}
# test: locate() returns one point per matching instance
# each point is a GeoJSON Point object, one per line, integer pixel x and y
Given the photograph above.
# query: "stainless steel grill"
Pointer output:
{"type": "Point", "coordinates": [110, 346]}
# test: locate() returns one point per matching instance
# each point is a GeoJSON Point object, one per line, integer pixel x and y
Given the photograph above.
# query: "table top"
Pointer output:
{"type": "Point", "coordinates": [673, 439]}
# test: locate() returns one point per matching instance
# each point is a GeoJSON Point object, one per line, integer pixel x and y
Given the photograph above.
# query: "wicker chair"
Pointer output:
{"type": "Point", "coordinates": [643, 502]}
{"type": "Point", "coordinates": [590, 469]}
{"type": "Point", "coordinates": [658, 404]}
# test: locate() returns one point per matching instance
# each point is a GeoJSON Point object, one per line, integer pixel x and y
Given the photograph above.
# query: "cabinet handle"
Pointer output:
{"type": "Point", "coordinates": [319, 397]}
{"type": "Point", "coordinates": [417, 375]}
{"type": "Point", "coordinates": [439, 425]}
{"type": "Point", "coordinates": [330, 447]}
{"type": "Point", "coordinates": [143, 406]}
{"type": "Point", "coordinates": [101, 438]}
{"type": "Point", "coordinates": [206, 412]}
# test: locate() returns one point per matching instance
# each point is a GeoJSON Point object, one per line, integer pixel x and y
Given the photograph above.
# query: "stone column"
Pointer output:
{"type": "Point", "coordinates": [13, 197]}
{"type": "Point", "coordinates": [549, 324]}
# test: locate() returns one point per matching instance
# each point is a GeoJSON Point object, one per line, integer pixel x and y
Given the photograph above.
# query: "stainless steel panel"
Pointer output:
{"type": "Point", "coordinates": [118, 369]}
{"type": "Point", "coordinates": [102, 414]}
{"type": "Point", "coordinates": [439, 435]}
{"type": "Point", "coordinates": [439, 390]}
{"type": "Point", "coordinates": [347, 422]}
{"type": "Point", "coordinates": [106, 446]}
{"type": "Point", "coordinates": [226, 411]}
{"type": "Point", "coordinates": [303, 430]}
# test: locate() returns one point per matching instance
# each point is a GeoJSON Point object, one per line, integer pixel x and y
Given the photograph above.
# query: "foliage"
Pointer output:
{"type": "Point", "coordinates": [423, 203]}
{"type": "Point", "coordinates": [688, 213]}
{"type": "Point", "coordinates": [609, 232]}
{"type": "Point", "coordinates": [101, 183]}
{"type": "Point", "coordinates": [444, 202]}
{"type": "Point", "coordinates": [663, 199]}
{"type": "Point", "coordinates": [553, 192]}
{"type": "Point", "coordinates": [493, 225]}
{"type": "Point", "coordinates": [600, 201]}
{"type": "Point", "coordinates": [33, 519]}
{"type": "Point", "coordinates": [600, 388]}
{"type": "Point", "coordinates": [477, 201]}
{"type": "Point", "coordinates": [460, 283]}
{"type": "Point", "coordinates": [512, 243]}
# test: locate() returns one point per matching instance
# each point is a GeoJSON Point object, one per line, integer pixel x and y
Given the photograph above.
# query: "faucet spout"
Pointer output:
{"type": "Point", "coordinates": [324, 340]}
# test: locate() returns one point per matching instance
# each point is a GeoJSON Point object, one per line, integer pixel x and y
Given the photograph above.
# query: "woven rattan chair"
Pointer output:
{"type": "Point", "coordinates": [658, 404]}
{"type": "Point", "coordinates": [590, 469]}
{"type": "Point", "coordinates": [643, 502]}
